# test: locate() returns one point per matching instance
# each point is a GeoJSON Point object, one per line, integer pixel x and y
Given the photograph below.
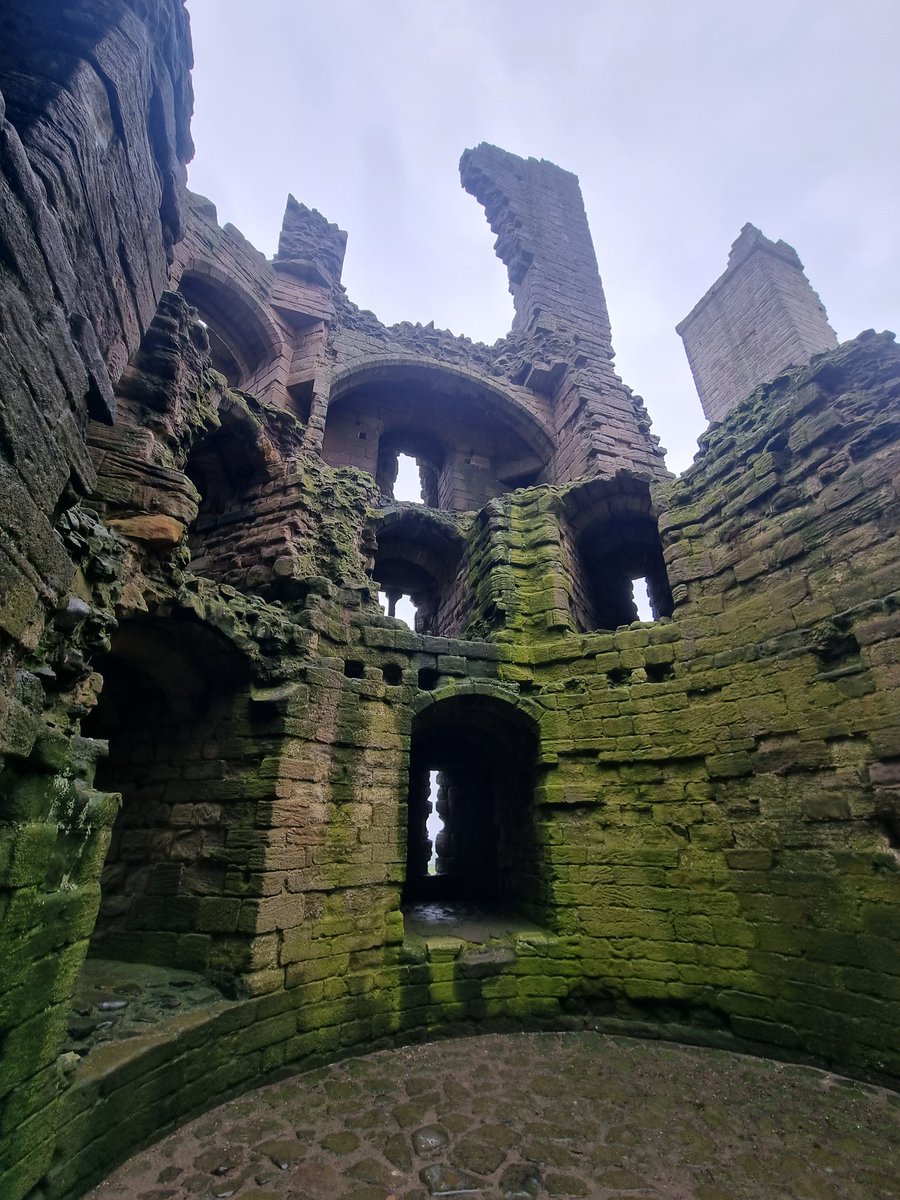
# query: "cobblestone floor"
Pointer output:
{"type": "Point", "coordinates": [524, 1116]}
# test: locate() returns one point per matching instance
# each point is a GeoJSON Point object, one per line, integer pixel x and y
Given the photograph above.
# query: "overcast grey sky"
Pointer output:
{"type": "Point", "coordinates": [682, 118]}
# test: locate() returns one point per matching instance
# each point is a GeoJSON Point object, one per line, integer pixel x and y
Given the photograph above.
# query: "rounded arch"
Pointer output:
{"type": "Point", "coordinates": [418, 554]}
{"type": "Point", "coordinates": [476, 439]}
{"type": "Point", "coordinates": [611, 533]}
{"type": "Point", "coordinates": [526, 710]}
{"type": "Point", "coordinates": [403, 369]}
{"type": "Point", "coordinates": [242, 335]}
{"type": "Point", "coordinates": [473, 758]}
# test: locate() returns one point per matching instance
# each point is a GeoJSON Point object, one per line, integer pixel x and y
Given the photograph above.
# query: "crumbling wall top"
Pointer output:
{"type": "Point", "coordinates": [310, 245]}
{"type": "Point", "coordinates": [536, 210]}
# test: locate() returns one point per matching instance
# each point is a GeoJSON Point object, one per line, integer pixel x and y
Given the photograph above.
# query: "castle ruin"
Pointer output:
{"type": "Point", "coordinates": [220, 753]}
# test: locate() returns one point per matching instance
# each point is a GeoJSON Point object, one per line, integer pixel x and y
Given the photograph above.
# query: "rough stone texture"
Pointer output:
{"type": "Point", "coordinates": [94, 109]}
{"type": "Point", "coordinates": [535, 1116]}
{"type": "Point", "coordinates": [758, 318]}
{"type": "Point", "coordinates": [217, 748]}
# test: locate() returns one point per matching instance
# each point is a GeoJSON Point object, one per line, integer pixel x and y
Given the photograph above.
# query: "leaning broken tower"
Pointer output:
{"type": "Point", "coordinates": [217, 747]}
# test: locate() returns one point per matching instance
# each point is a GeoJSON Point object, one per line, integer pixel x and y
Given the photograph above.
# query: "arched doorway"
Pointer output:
{"type": "Point", "coordinates": [472, 760]}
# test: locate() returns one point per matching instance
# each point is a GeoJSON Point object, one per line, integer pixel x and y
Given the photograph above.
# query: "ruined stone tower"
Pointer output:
{"type": "Point", "coordinates": [759, 317]}
{"type": "Point", "coordinates": [218, 749]}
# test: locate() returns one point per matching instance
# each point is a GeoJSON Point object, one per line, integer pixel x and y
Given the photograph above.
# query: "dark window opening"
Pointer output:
{"type": "Point", "coordinates": [617, 568]}
{"type": "Point", "coordinates": [224, 466]}
{"type": "Point", "coordinates": [428, 678]}
{"type": "Point", "coordinates": [614, 577]}
{"type": "Point", "coordinates": [392, 674]}
{"type": "Point", "coordinates": [417, 569]}
{"type": "Point", "coordinates": [217, 467]}
{"type": "Point", "coordinates": [658, 672]}
{"type": "Point", "coordinates": [169, 695]}
{"type": "Point", "coordinates": [354, 669]}
{"type": "Point", "coordinates": [470, 832]}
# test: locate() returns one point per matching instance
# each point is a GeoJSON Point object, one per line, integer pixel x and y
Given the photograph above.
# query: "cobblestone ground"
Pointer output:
{"type": "Point", "coordinates": [525, 1116]}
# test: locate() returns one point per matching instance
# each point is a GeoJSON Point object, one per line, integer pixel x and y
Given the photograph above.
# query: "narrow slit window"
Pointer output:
{"type": "Point", "coordinates": [435, 822]}
{"type": "Point", "coordinates": [408, 484]}
{"type": "Point", "coordinates": [640, 590]}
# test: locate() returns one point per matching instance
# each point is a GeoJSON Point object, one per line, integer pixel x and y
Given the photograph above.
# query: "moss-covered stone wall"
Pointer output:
{"type": "Point", "coordinates": [208, 724]}
{"type": "Point", "coordinates": [711, 838]}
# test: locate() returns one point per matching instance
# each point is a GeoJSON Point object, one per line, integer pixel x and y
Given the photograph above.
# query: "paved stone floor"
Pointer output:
{"type": "Point", "coordinates": [525, 1116]}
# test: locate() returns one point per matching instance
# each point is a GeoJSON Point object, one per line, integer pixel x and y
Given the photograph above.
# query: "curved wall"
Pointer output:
{"type": "Point", "coordinates": [715, 823]}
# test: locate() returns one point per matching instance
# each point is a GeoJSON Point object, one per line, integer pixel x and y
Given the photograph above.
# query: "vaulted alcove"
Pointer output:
{"type": "Point", "coordinates": [482, 751]}
{"type": "Point", "coordinates": [472, 440]}
{"type": "Point", "coordinates": [174, 696]}
{"type": "Point", "coordinates": [419, 555]}
{"type": "Point", "coordinates": [241, 339]}
{"type": "Point", "coordinates": [614, 552]}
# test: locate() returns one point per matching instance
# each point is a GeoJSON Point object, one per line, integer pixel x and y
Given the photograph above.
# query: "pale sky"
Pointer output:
{"type": "Point", "coordinates": [682, 118]}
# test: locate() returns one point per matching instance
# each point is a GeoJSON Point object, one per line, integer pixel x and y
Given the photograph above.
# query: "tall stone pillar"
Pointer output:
{"type": "Point", "coordinates": [759, 317]}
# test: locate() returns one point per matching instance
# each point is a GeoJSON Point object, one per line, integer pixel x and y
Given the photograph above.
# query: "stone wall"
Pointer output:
{"type": "Point", "coordinates": [692, 824]}
{"type": "Point", "coordinates": [94, 109]}
{"type": "Point", "coordinates": [758, 318]}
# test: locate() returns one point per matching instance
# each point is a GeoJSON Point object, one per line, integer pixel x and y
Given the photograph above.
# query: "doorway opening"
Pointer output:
{"type": "Point", "coordinates": [470, 828]}
{"type": "Point", "coordinates": [173, 700]}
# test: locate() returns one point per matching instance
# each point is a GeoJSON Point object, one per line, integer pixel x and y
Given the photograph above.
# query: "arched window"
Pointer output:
{"type": "Point", "coordinates": [242, 340]}
{"type": "Point", "coordinates": [473, 758]}
{"type": "Point", "coordinates": [617, 570]}
{"type": "Point", "coordinates": [419, 556]}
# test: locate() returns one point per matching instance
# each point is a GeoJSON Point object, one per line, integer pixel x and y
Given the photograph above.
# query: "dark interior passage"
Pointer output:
{"type": "Point", "coordinates": [482, 751]}
{"type": "Point", "coordinates": [170, 709]}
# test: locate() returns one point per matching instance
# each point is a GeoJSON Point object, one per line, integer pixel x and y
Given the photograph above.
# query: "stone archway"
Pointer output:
{"type": "Point", "coordinates": [611, 538]}
{"type": "Point", "coordinates": [482, 748]}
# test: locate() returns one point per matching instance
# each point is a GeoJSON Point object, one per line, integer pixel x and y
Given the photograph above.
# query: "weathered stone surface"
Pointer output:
{"type": "Point", "coordinates": [94, 111]}
{"type": "Point", "coordinates": [635, 1117]}
{"type": "Point", "coordinates": [162, 532]}
{"type": "Point", "coordinates": [760, 317]}
{"type": "Point", "coordinates": [221, 756]}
